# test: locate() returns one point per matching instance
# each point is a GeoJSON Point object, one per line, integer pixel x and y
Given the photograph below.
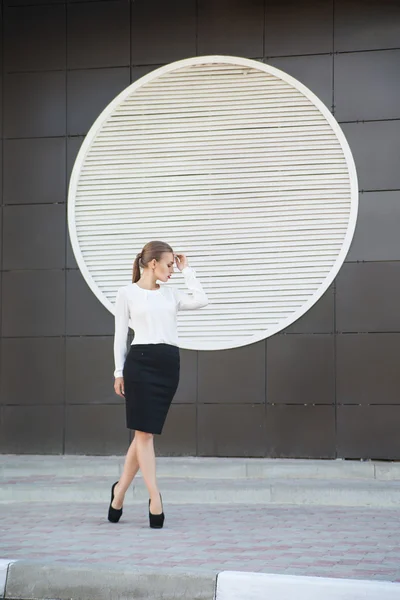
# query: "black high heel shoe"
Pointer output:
{"type": "Point", "coordinates": [156, 521]}
{"type": "Point", "coordinates": [114, 514]}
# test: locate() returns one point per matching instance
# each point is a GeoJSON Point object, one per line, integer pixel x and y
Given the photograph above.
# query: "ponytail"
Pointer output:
{"type": "Point", "coordinates": [152, 250]}
{"type": "Point", "coordinates": [136, 269]}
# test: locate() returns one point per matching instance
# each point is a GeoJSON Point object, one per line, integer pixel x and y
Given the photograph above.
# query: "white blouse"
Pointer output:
{"type": "Point", "coordinates": [152, 314]}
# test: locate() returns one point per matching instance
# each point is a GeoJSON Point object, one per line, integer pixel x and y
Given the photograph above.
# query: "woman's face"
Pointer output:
{"type": "Point", "coordinates": [164, 267]}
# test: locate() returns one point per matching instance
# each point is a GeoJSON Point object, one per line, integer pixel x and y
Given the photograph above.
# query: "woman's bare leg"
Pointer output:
{"type": "Point", "coordinates": [147, 462]}
{"type": "Point", "coordinates": [131, 467]}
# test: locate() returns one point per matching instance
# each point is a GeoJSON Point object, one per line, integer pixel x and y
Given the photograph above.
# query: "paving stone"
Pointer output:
{"type": "Point", "coordinates": [81, 533]}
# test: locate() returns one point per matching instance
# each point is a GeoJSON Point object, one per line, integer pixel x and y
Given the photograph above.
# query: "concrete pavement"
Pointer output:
{"type": "Point", "coordinates": [324, 541]}
{"type": "Point", "coordinates": [201, 537]}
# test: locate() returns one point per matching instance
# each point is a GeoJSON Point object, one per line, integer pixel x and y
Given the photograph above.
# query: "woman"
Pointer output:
{"type": "Point", "coordinates": [148, 376]}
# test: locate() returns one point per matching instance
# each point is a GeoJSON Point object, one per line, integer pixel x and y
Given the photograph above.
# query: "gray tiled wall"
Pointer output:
{"type": "Point", "coordinates": [327, 386]}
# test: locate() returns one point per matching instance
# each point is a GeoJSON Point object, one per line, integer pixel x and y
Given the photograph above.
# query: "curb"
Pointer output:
{"type": "Point", "coordinates": [4, 567]}
{"type": "Point", "coordinates": [38, 581]}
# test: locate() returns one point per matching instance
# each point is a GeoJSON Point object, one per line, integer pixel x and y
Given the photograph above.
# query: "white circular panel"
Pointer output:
{"type": "Point", "coordinates": [236, 164]}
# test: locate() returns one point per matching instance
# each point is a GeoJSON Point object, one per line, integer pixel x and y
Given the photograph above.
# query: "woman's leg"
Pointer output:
{"type": "Point", "coordinates": [147, 462]}
{"type": "Point", "coordinates": [131, 467]}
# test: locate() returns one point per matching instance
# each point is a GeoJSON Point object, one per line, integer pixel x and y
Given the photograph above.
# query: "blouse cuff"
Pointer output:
{"type": "Point", "coordinates": [187, 269]}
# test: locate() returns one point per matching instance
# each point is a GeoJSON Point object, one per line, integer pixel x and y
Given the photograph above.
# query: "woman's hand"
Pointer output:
{"type": "Point", "coordinates": [119, 386]}
{"type": "Point", "coordinates": [181, 261]}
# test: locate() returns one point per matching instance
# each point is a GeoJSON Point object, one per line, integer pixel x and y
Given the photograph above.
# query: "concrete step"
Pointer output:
{"type": "Point", "coordinates": [328, 492]}
{"type": "Point", "coordinates": [199, 467]}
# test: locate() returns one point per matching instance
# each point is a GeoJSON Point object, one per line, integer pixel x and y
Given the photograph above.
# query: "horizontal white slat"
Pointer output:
{"type": "Point", "coordinates": [235, 298]}
{"type": "Point", "coordinates": [142, 177]}
{"type": "Point", "coordinates": [205, 117]}
{"type": "Point", "coordinates": [246, 145]}
{"type": "Point", "coordinates": [124, 214]}
{"type": "Point", "coordinates": [222, 250]}
{"type": "Point", "coordinates": [241, 197]}
{"type": "Point", "coordinates": [253, 136]}
{"type": "Point", "coordinates": [225, 91]}
{"type": "Point", "coordinates": [269, 175]}
{"type": "Point", "coordinates": [223, 234]}
{"type": "Point", "coordinates": [107, 271]}
{"type": "Point", "coordinates": [298, 275]}
{"type": "Point", "coordinates": [92, 244]}
{"type": "Point", "coordinates": [295, 282]}
{"type": "Point", "coordinates": [205, 172]}
{"type": "Point", "coordinates": [235, 87]}
{"type": "Point", "coordinates": [321, 236]}
{"type": "Point", "coordinates": [226, 132]}
{"type": "Point", "coordinates": [215, 125]}
{"type": "Point", "coordinates": [219, 74]}
{"type": "Point", "coordinates": [300, 181]}
{"type": "Point", "coordinates": [198, 156]}
{"type": "Point", "coordinates": [285, 289]}
{"type": "Point", "coordinates": [316, 191]}
{"type": "Point", "coordinates": [104, 212]}
{"type": "Point", "coordinates": [127, 160]}
{"type": "Point", "coordinates": [212, 107]}
{"type": "Point", "coordinates": [127, 156]}
{"type": "Point", "coordinates": [218, 99]}
{"type": "Point", "coordinates": [116, 264]}
{"type": "Point", "coordinates": [321, 245]}
{"type": "Point", "coordinates": [288, 275]}
{"type": "Point", "coordinates": [227, 106]}
{"type": "Point", "coordinates": [145, 113]}
{"type": "Point", "coordinates": [218, 220]}
{"type": "Point", "coordinates": [301, 222]}
{"type": "Point", "coordinates": [249, 165]}
{"type": "Point", "coordinates": [299, 279]}
{"type": "Point", "coordinates": [205, 120]}
{"type": "Point", "coordinates": [284, 202]}
{"type": "Point", "coordinates": [211, 270]}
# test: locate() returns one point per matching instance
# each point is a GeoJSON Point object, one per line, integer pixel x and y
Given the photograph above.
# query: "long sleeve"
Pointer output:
{"type": "Point", "coordinates": [197, 297]}
{"type": "Point", "coordinates": [121, 332]}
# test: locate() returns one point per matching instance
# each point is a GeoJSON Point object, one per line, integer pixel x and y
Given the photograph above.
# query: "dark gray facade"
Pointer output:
{"type": "Point", "coordinates": [328, 386]}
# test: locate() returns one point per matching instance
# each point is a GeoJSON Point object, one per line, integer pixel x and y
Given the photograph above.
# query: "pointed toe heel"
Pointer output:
{"type": "Point", "coordinates": [114, 514]}
{"type": "Point", "coordinates": [156, 521]}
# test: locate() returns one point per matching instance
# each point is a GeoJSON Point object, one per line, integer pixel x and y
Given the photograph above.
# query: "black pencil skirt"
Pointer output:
{"type": "Point", "coordinates": [151, 377]}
